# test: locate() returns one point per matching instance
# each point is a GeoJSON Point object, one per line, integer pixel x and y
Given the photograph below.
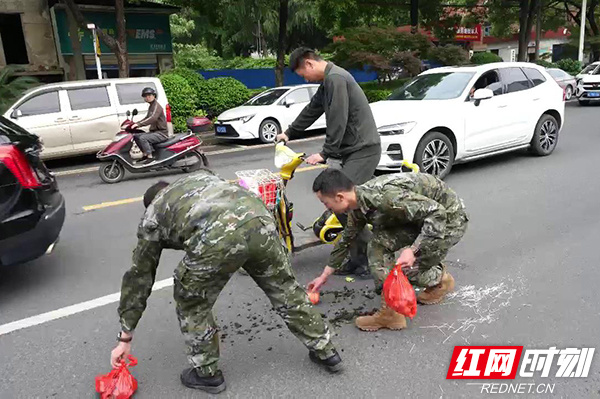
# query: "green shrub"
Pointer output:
{"type": "Point", "coordinates": [570, 66]}
{"type": "Point", "coordinates": [181, 99]}
{"type": "Point", "coordinates": [220, 94]}
{"type": "Point", "coordinates": [377, 95]}
{"type": "Point", "coordinates": [449, 55]}
{"type": "Point", "coordinates": [194, 79]}
{"type": "Point", "coordinates": [485, 58]}
{"type": "Point", "coordinates": [545, 64]}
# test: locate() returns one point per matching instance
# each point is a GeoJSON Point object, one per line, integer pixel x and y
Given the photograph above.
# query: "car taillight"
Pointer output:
{"type": "Point", "coordinates": [17, 163]}
{"type": "Point", "coordinates": [168, 109]}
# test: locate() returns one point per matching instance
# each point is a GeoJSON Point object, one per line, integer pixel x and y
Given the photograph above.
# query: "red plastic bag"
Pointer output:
{"type": "Point", "coordinates": [119, 383]}
{"type": "Point", "coordinates": [399, 293]}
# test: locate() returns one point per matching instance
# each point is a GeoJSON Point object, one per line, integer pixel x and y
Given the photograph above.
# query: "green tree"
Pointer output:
{"type": "Point", "coordinates": [12, 87]}
{"type": "Point", "coordinates": [384, 50]}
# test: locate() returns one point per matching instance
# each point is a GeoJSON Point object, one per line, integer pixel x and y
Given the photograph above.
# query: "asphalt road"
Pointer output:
{"type": "Point", "coordinates": [526, 273]}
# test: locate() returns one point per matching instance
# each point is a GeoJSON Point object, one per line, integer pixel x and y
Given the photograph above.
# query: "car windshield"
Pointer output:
{"type": "Point", "coordinates": [434, 86]}
{"type": "Point", "coordinates": [267, 98]}
{"type": "Point", "coordinates": [589, 69]}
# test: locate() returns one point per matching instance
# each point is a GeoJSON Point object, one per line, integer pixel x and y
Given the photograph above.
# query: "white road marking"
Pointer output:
{"type": "Point", "coordinates": [239, 148]}
{"type": "Point", "coordinates": [71, 310]}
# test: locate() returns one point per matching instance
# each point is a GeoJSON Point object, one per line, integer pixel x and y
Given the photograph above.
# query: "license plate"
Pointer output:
{"type": "Point", "coordinates": [593, 94]}
{"type": "Point", "coordinates": [221, 129]}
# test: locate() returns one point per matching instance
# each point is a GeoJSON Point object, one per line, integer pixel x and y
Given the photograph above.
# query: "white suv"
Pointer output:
{"type": "Point", "coordinates": [82, 117]}
{"type": "Point", "coordinates": [458, 114]}
{"type": "Point", "coordinates": [588, 84]}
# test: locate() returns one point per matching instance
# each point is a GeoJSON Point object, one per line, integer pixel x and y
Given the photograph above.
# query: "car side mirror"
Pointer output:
{"type": "Point", "coordinates": [16, 114]}
{"type": "Point", "coordinates": [482, 94]}
{"type": "Point", "coordinates": [289, 102]}
{"type": "Point", "coordinates": [135, 112]}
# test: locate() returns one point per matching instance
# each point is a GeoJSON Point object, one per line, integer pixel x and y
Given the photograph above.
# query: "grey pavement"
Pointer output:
{"type": "Point", "coordinates": [526, 273]}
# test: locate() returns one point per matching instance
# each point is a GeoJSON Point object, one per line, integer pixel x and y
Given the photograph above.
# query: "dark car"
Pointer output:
{"type": "Point", "coordinates": [32, 210]}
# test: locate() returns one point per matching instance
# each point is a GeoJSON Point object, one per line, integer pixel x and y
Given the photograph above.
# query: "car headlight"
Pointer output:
{"type": "Point", "coordinates": [398, 128]}
{"type": "Point", "coordinates": [245, 119]}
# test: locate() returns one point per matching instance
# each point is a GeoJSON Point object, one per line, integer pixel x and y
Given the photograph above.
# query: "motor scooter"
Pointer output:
{"type": "Point", "coordinates": [271, 188]}
{"type": "Point", "coordinates": [180, 151]}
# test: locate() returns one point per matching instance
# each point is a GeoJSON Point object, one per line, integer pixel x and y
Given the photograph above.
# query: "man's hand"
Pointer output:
{"type": "Point", "coordinates": [406, 259]}
{"type": "Point", "coordinates": [282, 137]}
{"type": "Point", "coordinates": [121, 352]}
{"type": "Point", "coordinates": [315, 159]}
{"type": "Point", "coordinates": [316, 284]}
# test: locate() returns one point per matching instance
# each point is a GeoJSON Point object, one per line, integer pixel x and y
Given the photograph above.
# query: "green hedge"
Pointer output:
{"type": "Point", "coordinates": [377, 95]}
{"type": "Point", "coordinates": [388, 85]}
{"type": "Point", "coordinates": [194, 79]}
{"type": "Point", "coordinates": [570, 66]}
{"type": "Point", "coordinates": [485, 58]}
{"type": "Point", "coordinates": [220, 94]}
{"type": "Point", "coordinates": [544, 63]}
{"type": "Point", "coordinates": [181, 99]}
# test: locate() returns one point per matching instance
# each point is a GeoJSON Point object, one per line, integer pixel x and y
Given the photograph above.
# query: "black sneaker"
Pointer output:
{"type": "Point", "coordinates": [211, 384]}
{"type": "Point", "coordinates": [333, 363]}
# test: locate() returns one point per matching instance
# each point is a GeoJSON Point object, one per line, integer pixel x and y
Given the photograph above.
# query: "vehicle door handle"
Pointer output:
{"type": "Point", "coordinates": [536, 99]}
{"type": "Point", "coordinates": [60, 120]}
{"type": "Point", "coordinates": [75, 118]}
{"type": "Point", "coordinates": [503, 106]}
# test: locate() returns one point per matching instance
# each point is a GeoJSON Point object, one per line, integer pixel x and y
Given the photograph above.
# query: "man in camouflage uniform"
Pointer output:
{"type": "Point", "coordinates": [221, 227]}
{"type": "Point", "coordinates": [415, 213]}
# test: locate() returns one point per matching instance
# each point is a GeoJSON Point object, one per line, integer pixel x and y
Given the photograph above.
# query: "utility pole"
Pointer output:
{"type": "Point", "coordinates": [92, 27]}
{"type": "Point", "coordinates": [582, 32]}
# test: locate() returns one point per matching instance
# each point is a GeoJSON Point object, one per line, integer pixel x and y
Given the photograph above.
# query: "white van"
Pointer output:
{"type": "Point", "coordinates": [82, 117]}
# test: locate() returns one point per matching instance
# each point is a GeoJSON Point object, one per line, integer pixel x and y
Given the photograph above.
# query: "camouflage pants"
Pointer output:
{"type": "Point", "coordinates": [201, 276]}
{"type": "Point", "coordinates": [427, 270]}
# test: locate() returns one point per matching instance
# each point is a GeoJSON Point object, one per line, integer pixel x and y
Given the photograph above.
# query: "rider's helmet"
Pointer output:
{"type": "Point", "coordinates": [149, 90]}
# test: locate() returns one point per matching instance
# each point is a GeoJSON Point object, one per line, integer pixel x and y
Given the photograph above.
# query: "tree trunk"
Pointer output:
{"type": "Point", "coordinates": [122, 57]}
{"type": "Point", "coordinates": [526, 13]}
{"type": "Point", "coordinates": [283, 17]}
{"type": "Point", "coordinates": [110, 41]}
{"type": "Point", "coordinates": [79, 72]}
{"type": "Point", "coordinates": [414, 16]}
{"type": "Point", "coordinates": [538, 30]}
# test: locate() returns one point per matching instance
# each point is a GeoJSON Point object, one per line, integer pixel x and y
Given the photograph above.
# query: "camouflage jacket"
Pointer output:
{"type": "Point", "coordinates": [416, 202]}
{"type": "Point", "coordinates": [189, 214]}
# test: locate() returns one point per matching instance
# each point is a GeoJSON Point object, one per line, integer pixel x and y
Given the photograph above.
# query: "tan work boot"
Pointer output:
{"type": "Point", "coordinates": [435, 294]}
{"type": "Point", "coordinates": [383, 318]}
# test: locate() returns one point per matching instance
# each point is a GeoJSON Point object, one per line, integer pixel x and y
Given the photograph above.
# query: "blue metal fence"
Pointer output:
{"type": "Point", "coordinates": [265, 77]}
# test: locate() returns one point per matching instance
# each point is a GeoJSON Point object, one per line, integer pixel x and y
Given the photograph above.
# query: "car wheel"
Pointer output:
{"type": "Point", "coordinates": [584, 102]}
{"type": "Point", "coordinates": [268, 130]}
{"type": "Point", "coordinates": [112, 172]}
{"type": "Point", "coordinates": [435, 154]}
{"type": "Point", "coordinates": [545, 136]}
{"type": "Point", "coordinates": [569, 92]}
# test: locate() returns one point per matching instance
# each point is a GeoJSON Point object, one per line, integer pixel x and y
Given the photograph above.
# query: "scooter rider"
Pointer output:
{"type": "Point", "coordinates": [156, 119]}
